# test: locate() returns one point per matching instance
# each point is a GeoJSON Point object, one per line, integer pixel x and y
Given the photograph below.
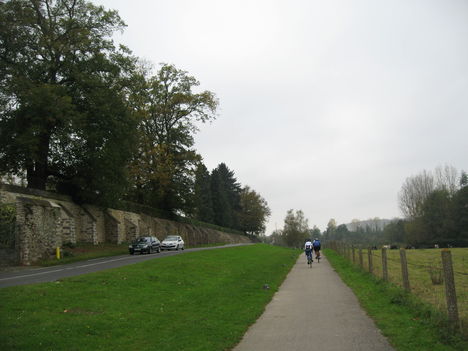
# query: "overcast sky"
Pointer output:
{"type": "Point", "coordinates": [325, 106]}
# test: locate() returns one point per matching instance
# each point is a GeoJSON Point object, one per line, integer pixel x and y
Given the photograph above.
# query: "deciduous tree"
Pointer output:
{"type": "Point", "coordinates": [62, 117]}
{"type": "Point", "coordinates": [168, 110]}
{"type": "Point", "coordinates": [254, 211]}
{"type": "Point", "coordinates": [414, 192]}
{"type": "Point", "coordinates": [296, 228]}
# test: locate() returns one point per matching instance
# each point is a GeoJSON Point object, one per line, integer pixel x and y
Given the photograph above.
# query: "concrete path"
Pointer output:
{"type": "Point", "coordinates": [313, 310]}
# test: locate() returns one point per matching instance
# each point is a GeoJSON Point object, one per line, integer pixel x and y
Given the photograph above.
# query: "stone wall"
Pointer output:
{"type": "Point", "coordinates": [47, 220]}
{"type": "Point", "coordinates": [38, 228]}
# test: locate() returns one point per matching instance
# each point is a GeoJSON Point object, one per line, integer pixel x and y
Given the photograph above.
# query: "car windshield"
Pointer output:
{"type": "Point", "coordinates": [142, 240]}
{"type": "Point", "coordinates": [171, 238]}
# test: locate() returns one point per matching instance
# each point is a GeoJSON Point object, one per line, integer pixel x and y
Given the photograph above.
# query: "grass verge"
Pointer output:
{"type": "Point", "coordinates": [88, 251]}
{"type": "Point", "coordinates": [85, 251]}
{"type": "Point", "coordinates": [407, 322]}
{"type": "Point", "coordinates": [202, 300]}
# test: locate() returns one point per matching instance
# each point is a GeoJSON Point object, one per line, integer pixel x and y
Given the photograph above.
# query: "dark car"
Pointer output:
{"type": "Point", "coordinates": [145, 244]}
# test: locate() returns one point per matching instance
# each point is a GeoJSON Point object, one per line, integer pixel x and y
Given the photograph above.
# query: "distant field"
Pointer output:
{"type": "Point", "coordinates": [202, 300]}
{"type": "Point", "coordinates": [420, 263]}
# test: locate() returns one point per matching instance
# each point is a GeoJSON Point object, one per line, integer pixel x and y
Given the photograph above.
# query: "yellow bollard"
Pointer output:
{"type": "Point", "coordinates": [57, 253]}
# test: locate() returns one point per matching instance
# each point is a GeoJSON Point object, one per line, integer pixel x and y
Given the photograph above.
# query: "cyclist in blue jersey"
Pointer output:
{"type": "Point", "coordinates": [317, 246]}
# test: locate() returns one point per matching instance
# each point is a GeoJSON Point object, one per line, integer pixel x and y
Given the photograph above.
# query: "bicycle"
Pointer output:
{"type": "Point", "coordinates": [317, 255]}
{"type": "Point", "coordinates": [309, 260]}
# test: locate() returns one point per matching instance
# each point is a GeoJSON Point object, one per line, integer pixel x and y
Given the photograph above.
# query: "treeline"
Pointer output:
{"type": "Point", "coordinates": [362, 234]}
{"type": "Point", "coordinates": [295, 231]}
{"type": "Point", "coordinates": [435, 209]}
{"type": "Point", "coordinates": [435, 206]}
{"type": "Point", "coordinates": [83, 117]}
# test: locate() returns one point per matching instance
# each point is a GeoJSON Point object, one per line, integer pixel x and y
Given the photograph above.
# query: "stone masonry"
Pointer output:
{"type": "Point", "coordinates": [46, 221]}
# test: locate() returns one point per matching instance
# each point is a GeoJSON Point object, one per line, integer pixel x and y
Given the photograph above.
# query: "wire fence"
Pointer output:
{"type": "Point", "coordinates": [437, 276]}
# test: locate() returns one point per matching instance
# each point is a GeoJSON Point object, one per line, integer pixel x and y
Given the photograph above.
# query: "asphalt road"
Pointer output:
{"type": "Point", "coordinates": [50, 274]}
{"type": "Point", "coordinates": [314, 310]}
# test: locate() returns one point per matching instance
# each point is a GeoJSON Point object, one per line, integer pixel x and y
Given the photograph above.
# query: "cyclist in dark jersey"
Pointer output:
{"type": "Point", "coordinates": [317, 246]}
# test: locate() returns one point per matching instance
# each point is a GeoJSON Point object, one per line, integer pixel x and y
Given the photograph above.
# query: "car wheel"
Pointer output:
{"type": "Point", "coordinates": [183, 247]}
{"type": "Point", "coordinates": [159, 250]}
{"type": "Point", "coordinates": [177, 248]}
{"type": "Point", "coordinates": [150, 250]}
{"type": "Point", "coordinates": [132, 253]}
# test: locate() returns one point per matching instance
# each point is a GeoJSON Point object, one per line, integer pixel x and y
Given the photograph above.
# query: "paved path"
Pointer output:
{"type": "Point", "coordinates": [313, 310]}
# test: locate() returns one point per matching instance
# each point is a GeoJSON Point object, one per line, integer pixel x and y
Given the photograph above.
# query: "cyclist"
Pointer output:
{"type": "Point", "coordinates": [308, 250]}
{"type": "Point", "coordinates": [316, 245]}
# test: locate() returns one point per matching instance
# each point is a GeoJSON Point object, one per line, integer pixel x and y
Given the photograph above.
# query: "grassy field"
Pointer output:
{"type": "Point", "coordinates": [420, 264]}
{"type": "Point", "coordinates": [404, 319]}
{"type": "Point", "coordinates": [196, 301]}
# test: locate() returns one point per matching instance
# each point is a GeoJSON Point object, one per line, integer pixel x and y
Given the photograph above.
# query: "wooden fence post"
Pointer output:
{"type": "Point", "coordinates": [354, 255]}
{"type": "Point", "coordinates": [369, 258]}
{"type": "Point", "coordinates": [450, 292]}
{"type": "Point", "coordinates": [404, 270]}
{"type": "Point", "coordinates": [361, 260]}
{"type": "Point", "coordinates": [384, 265]}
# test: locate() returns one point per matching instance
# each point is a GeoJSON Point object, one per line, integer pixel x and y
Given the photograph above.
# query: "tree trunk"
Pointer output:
{"type": "Point", "coordinates": [37, 170]}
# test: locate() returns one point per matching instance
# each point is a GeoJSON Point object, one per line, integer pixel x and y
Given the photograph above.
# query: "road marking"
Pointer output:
{"type": "Point", "coordinates": [63, 269]}
{"type": "Point", "coordinates": [31, 275]}
{"type": "Point", "coordinates": [169, 253]}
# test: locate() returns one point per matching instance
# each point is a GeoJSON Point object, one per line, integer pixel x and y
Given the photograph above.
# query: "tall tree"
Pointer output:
{"type": "Point", "coordinates": [315, 233]}
{"type": "Point", "coordinates": [169, 110]}
{"type": "Point", "coordinates": [331, 227]}
{"type": "Point", "coordinates": [394, 232]}
{"type": "Point", "coordinates": [62, 112]}
{"type": "Point", "coordinates": [203, 201]}
{"type": "Point", "coordinates": [460, 216]}
{"type": "Point", "coordinates": [226, 197]}
{"type": "Point", "coordinates": [296, 229]}
{"type": "Point", "coordinates": [416, 189]}
{"type": "Point", "coordinates": [437, 217]}
{"type": "Point", "coordinates": [414, 192]}
{"type": "Point", "coordinates": [463, 179]}
{"type": "Point", "coordinates": [446, 178]}
{"type": "Point", "coordinates": [254, 212]}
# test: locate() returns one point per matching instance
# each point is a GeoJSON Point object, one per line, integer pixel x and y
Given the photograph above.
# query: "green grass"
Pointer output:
{"type": "Point", "coordinates": [196, 301]}
{"type": "Point", "coordinates": [406, 321]}
{"type": "Point", "coordinates": [419, 264]}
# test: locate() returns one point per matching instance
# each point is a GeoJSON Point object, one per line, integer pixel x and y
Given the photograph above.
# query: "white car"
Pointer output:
{"type": "Point", "coordinates": [172, 242]}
